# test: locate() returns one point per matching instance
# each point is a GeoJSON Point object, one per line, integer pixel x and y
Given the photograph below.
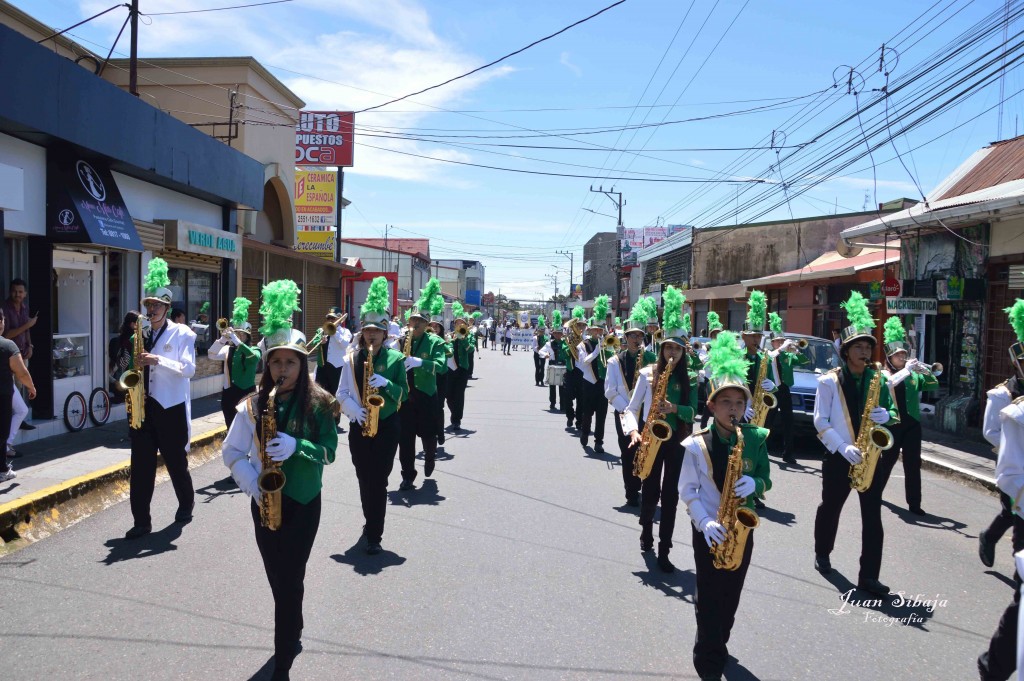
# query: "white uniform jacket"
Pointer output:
{"type": "Point", "coordinates": [170, 380]}
{"type": "Point", "coordinates": [337, 345]}
{"type": "Point", "coordinates": [641, 400]}
{"type": "Point", "coordinates": [219, 351]}
{"type": "Point", "coordinates": [585, 360]}
{"type": "Point", "coordinates": [999, 398]}
{"type": "Point", "coordinates": [615, 388]}
{"type": "Point", "coordinates": [241, 451]}
{"type": "Point", "coordinates": [697, 488]}
{"type": "Point", "coordinates": [1010, 463]}
{"type": "Point", "coordinates": [831, 418]}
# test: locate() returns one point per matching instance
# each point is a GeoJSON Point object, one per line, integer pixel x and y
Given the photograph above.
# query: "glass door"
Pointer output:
{"type": "Point", "coordinates": [78, 328]}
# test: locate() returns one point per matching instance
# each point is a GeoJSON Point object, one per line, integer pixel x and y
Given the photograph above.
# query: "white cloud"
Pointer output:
{"type": "Point", "coordinates": [564, 61]}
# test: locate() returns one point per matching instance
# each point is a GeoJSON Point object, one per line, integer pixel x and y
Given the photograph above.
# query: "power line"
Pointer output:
{"type": "Point", "coordinates": [83, 21]}
{"type": "Point", "coordinates": [215, 9]}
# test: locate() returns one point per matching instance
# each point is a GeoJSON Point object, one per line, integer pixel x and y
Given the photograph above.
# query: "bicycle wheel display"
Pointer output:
{"type": "Point", "coordinates": [75, 411]}
{"type": "Point", "coordinates": [99, 406]}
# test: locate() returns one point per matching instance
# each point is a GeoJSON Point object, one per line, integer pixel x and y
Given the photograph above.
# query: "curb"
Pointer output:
{"type": "Point", "coordinates": [964, 475]}
{"type": "Point", "coordinates": [41, 514]}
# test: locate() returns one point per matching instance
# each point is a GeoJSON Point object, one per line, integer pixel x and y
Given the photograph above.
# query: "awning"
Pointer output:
{"type": "Point", "coordinates": [716, 292]}
{"type": "Point", "coordinates": [84, 206]}
{"type": "Point", "coordinates": [831, 265]}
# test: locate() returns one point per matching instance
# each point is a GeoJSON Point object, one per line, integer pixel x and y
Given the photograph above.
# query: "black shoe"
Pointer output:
{"type": "Point", "coordinates": [711, 677]}
{"type": "Point", "coordinates": [665, 564]}
{"type": "Point", "coordinates": [440, 438]}
{"type": "Point", "coordinates": [456, 427]}
{"type": "Point", "coordinates": [551, 407]}
{"type": "Point", "coordinates": [280, 675]}
{"type": "Point", "coordinates": [184, 515]}
{"type": "Point", "coordinates": [598, 448]}
{"type": "Point", "coordinates": [873, 586]}
{"type": "Point", "coordinates": [823, 565]}
{"type": "Point", "coordinates": [758, 503]}
{"type": "Point", "coordinates": [633, 501]}
{"type": "Point", "coordinates": [428, 467]}
{"type": "Point", "coordinates": [374, 549]}
{"type": "Point", "coordinates": [791, 460]}
{"type": "Point", "coordinates": [986, 551]}
{"type": "Point", "coordinates": [917, 510]}
{"type": "Point", "coordinates": [647, 539]}
{"type": "Point", "coordinates": [568, 425]}
{"type": "Point", "coordinates": [26, 426]}
{"type": "Point", "coordinates": [138, 531]}
{"type": "Point", "coordinates": [583, 441]}
{"type": "Point", "coordinates": [406, 485]}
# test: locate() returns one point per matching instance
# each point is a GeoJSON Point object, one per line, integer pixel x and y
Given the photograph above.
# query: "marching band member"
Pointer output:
{"type": "Point", "coordinates": [753, 335]}
{"type": "Point", "coordinates": [305, 441]}
{"type": "Point", "coordinates": [907, 379]}
{"type": "Point", "coordinates": [663, 482]}
{"type": "Point", "coordinates": [540, 340]}
{"type": "Point", "coordinates": [591, 362]}
{"type": "Point", "coordinates": [556, 352]}
{"type": "Point", "coordinates": [471, 339]}
{"type": "Point", "coordinates": [714, 327]}
{"type": "Point", "coordinates": [622, 376]}
{"type": "Point", "coordinates": [419, 412]}
{"type": "Point", "coordinates": [240, 359]}
{"type": "Point", "coordinates": [998, 398]}
{"type": "Point", "coordinates": [704, 471]}
{"type": "Point", "coordinates": [458, 365]}
{"type": "Point", "coordinates": [373, 455]}
{"type": "Point", "coordinates": [331, 351]}
{"type": "Point", "coordinates": [436, 328]}
{"type": "Point", "coordinates": [167, 365]}
{"type": "Point", "coordinates": [574, 372]}
{"type": "Point", "coordinates": [1000, 660]}
{"type": "Point", "coordinates": [784, 356]}
{"type": "Point", "coordinates": [838, 408]}
{"type": "Point", "coordinates": [394, 331]}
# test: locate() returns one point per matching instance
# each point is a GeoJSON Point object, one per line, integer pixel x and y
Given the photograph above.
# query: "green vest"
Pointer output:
{"type": "Point", "coordinates": [391, 365]}
{"type": "Point", "coordinates": [755, 456]}
{"type": "Point", "coordinates": [461, 352]}
{"type": "Point", "coordinates": [244, 361]}
{"type": "Point", "coordinates": [674, 394]}
{"type": "Point", "coordinates": [314, 447]}
{"type": "Point", "coordinates": [430, 349]}
{"type": "Point", "coordinates": [916, 384]}
{"type": "Point", "coordinates": [786, 361]}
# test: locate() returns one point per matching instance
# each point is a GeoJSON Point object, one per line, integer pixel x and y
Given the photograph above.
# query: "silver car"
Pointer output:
{"type": "Point", "coordinates": [824, 357]}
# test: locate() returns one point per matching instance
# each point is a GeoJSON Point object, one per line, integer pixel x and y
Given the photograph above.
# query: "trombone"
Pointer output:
{"type": "Point", "coordinates": [326, 331]}
{"type": "Point", "coordinates": [611, 342]}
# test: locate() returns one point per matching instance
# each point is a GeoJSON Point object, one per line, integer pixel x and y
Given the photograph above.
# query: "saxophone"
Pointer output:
{"type": "Point", "coordinates": [372, 402]}
{"type": "Point", "coordinates": [656, 429]}
{"type": "Point", "coordinates": [737, 520]}
{"type": "Point", "coordinates": [407, 350]}
{"type": "Point", "coordinates": [131, 381]}
{"type": "Point", "coordinates": [272, 478]}
{"type": "Point", "coordinates": [764, 401]}
{"type": "Point", "coordinates": [871, 438]}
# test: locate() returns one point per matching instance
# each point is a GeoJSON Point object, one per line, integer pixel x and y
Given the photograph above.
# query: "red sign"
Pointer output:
{"type": "Point", "coordinates": [488, 299]}
{"type": "Point", "coordinates": [892, 287]}
{"type": "Point", "coordinates": [324, 138]}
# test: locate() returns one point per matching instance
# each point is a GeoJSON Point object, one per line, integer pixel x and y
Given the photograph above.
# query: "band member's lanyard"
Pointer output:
{"type": "Point", "coordinates": [149, 346]}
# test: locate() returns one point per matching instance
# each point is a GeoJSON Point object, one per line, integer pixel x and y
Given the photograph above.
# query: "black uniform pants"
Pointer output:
{"type": "Point", "coordinates": [907, 439]}
{"type": "Point", "coordinates": [1000, 660]}
{"type": "Point", "coordinates": [166, 431]}
{"type": "Point", "coordinates": [663, 485]}
{"type": "Point", "coordinates": [835, 488]}
{"type": "Point", "coordinates": [328, 376]}
{"type": "Point", "coordinates": [229, 399]}
{"type": "Point", "coordinates": [506, 346]}
{"type": "Point", "coordinates": [1002, 522]}
{"type": "Point", "coordinates": [419, 418]}
{"type": "Point", "coordinates": [538, 369]}
{"type": "Point", "coordinates": [373, 459]}
{"type": "Point", "coordinates": [595, 410]}
{"type": "Point", "coordinates": [626, 452]}
{"type": "Point", "coordinates": [285, 552]}
{"type": "Point", "coordinates": [573, 379]}
{"type": "Point", "coordinates": [782, 421]}
{"type": "Point", "coordinates": [716, 601]}
{"type": "Point", "coordinates": [442, 393]}
{"type": "Point", "coordinates": [472, 363]}
{"type": "Point", "coordinates": [457, 394]}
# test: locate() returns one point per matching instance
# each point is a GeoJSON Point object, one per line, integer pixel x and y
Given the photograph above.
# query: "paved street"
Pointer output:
{"type": "Point", "coordinates": [517, 561]}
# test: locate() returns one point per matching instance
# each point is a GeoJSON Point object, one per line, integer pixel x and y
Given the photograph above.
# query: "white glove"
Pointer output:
{"type": "Point", "coordinates": [359, 415]}
{"type": "Point", "coordinates": [900, 376]}
{"type": "Point", "coordinates": [451, 364]}
{"type": "Point", "coordinates": [413, 363]}
{"type": "Point", "coordinates": [281, 447]}
{"type": "Point", "coordinates": [377, 381]}
{"type": "Point", "coordinates": [745, 486]}
{"type": "Point", "coordinates": [749, 414]}
{"type": "Point", "coordinates": [714, 532]}
{"type": "Point", "coordinates": [880, 415]}
{"type": "Point", "coordinates": [790, 346]}
{"type": "Point", "coordinates": [767, 385]}
{"type": "Point", "coordinates": [911, 363]}
{"type": "Point", "coordinates": [235, 339]}
{"type": "Point", "coordinates": [702, 376]}
{"type": "Point", "coordinates": [851, 453]}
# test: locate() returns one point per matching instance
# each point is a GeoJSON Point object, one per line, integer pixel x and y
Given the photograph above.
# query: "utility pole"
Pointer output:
{"type": "Point", "coordinates": [133, 59]}
{"type": "Point", "coordinates": [569, 255]}
{"type": "Point", "coordinates": [554, 279]}
{"type": "Point", "coordinates": [620, 234]}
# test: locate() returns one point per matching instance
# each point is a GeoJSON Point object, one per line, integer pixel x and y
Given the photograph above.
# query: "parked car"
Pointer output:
{"type": "Point", "coordinates": [824, 357]}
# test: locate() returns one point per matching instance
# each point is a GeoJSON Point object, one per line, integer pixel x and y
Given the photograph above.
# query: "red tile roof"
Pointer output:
{"type": "Point", "coordinates": [413, 247]}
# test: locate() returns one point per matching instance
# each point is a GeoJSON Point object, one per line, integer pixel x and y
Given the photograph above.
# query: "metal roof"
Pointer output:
{"type": "Point", "coordinates": [996, 164]}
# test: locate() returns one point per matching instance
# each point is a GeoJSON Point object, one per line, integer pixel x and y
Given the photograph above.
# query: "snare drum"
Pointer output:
{"type": "Point", "coordinates": [556, 374]}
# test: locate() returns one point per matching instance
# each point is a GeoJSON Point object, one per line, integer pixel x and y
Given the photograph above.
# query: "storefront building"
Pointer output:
{"type": "Point", "coordinates": [100, 195]}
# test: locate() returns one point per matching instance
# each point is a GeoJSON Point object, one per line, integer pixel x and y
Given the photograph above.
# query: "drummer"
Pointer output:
{"type": "Point", "coordinates": [556, 351]}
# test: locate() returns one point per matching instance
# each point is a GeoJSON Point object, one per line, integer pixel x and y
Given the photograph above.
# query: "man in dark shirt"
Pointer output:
{"type": "Point", "coordinates": [19, 322]}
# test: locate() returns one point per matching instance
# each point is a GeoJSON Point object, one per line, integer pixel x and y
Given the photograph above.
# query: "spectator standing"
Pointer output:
{"type": "Point", "coordinates": [11, 366]}
{"type": "Point", "coordinates": [15, 310]}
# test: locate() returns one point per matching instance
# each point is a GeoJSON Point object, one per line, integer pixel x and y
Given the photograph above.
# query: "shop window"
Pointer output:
{"type": "Point", "coordinates": [196, 294]}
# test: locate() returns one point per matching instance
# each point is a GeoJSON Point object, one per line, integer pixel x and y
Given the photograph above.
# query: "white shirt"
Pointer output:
{"type": "Point", "coordinates": [241, 452]}
{"type": "Point", "coordinates": [349, 395]}
{"type": "Point", "coordinates": [615, 388]}
{"type": "Point", "coordinates": [831, 419]}
{"type": "Point", "coordinates": [219, 351]}
{"type": "Point", "coordinates": [697, 488]}
{"type": "Point", "coordinates": [337, 345]}
{"type": "Point", "coordinates": [639, 401]}
{"type": "Point", "coordinates": [170, 380]}
{"type": "Point", "coordinates": [1010, 463]}
{"type": "Point", "coordinates": [999, 398]}
{"type": "Point", "coordinates": [585, 360]}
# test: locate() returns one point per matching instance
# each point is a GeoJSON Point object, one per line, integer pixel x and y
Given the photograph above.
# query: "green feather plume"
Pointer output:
{"type": "Point", "coordinates": [639, 313]}
{"type": "Point", "coordinates": [432, 289]}
{"type": "Point", "coordinates": [280, 302]}
{"type": "Point", "coordinates": [204, 308]}
{"type": "Point", "coordinates": [540, 322]}
{"type": "Point", "coordinates": [240, 312]}
{"type": "Point", "coordinates": [673, 299]}
{"type": "Point", "coordinates": [775, 322]}
{"type": "Point", "coordinates": [556, 319]}
{"type": "Point", "coordinates": [618, 321]}
{"type": "Point", "coordinates": [601, 307]}
{"type": "Point", "coordinates": [686, 324]}
{"type": "Point", "coordinates": [408, 313]}
{"type": "Point", "coordinates": [1016, 313]}
{"type": "Point", "coordinates": [758, 303]}
{"type": "Point", "coordinates": [457, 310]}
{"type": "Point", "coordinates": [376, 298]}
{"type": "Point", "coordinates": [437, 306]}
{"type": "Point", "coordinates": [893, 331]}
{"type": "Point", "coordinates": [727, 358]}
{"type": "Point", "coordinates": [652, 307]}
{"type": "Point", "coordinates": [156, 275]}
{"type": "Point", "coordinates": [857, 312]}
{"type": "Point", "coordinates": [714, 321]}
{"type": "Point", "coordinates": [477, 314]}
{"type": "Point", "coordinates": [579, 313]}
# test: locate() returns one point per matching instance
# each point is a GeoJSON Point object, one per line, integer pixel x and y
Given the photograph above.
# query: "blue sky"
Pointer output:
{"type": "Point", "coordinates": [777, 52]}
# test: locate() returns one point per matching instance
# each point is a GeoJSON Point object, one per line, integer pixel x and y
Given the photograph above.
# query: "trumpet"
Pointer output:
{"type": "Point", "coordinates": [928, 369]}
{"type": "Point", "coordinates": [462, 332]}
{"type": "Point", "coordinates": [612, 342]}
{"type": "Point", "coordinates": [658, 336]}
{"type": "Point", "coordinates": [223, 324]}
